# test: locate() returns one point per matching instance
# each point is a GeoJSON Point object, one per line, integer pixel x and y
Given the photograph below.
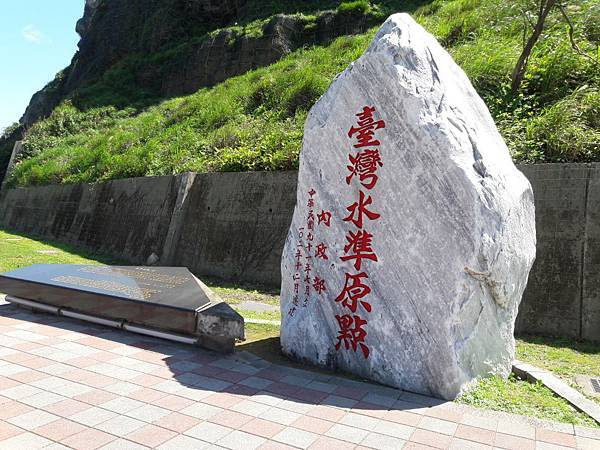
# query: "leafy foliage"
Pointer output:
{"type": "Point", "coordinates": [355, 7]}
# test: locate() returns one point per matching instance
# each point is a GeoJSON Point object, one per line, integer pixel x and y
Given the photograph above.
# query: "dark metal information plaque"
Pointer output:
{"type": "Point", "coordinates": [166, 297]}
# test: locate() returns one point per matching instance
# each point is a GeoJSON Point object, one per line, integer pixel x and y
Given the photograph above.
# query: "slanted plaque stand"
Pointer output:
{"type": "Point", "coordinates": [167, 302]}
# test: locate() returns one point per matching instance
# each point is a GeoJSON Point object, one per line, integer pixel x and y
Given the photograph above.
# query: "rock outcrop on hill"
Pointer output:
{"type": "Point", "coordinates": [175, 47]}
{"type": "Point", "coordinates": [180, 46]}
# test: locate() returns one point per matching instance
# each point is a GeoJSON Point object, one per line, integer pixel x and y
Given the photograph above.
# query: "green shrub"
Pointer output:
{"type": "Point", "coordinates": [567, 131]}
{"type": "Point", "coordinates": [354, 7]}
{"type": "Point", "coordinates": [66, 121]}
{"type": "Point", "coordinates": [591, 25]}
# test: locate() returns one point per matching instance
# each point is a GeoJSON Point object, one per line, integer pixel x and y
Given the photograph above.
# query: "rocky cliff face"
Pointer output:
{"type": "Point", "coordinates": [180, 46]}
{"type": "Point", "coordinates": [175, 47]}
{"type": "Point", "coordinates": [114, 30]}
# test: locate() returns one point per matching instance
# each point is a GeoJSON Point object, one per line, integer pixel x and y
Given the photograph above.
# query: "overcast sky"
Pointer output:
{"type": "Point", "coordinates": [37, 39]}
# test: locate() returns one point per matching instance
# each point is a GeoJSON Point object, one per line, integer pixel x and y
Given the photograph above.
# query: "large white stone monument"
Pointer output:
{"type": "Point", "coordinates": [414, 232]}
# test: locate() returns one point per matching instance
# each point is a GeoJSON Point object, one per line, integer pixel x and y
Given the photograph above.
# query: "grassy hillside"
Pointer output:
{"type": "Point", "coordinates": [255, 121]}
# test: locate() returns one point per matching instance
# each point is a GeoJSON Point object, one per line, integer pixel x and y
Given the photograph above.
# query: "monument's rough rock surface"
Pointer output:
{"type": "Point", "coordinates": [413, 233]}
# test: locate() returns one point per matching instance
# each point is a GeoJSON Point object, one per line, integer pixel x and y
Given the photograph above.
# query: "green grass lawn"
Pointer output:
{"type": "Point", "coordinates": [236, 293]}
{"type": "Point", "coordinates": [564, 358]}
{"type": "Point", "coordinates": [521, 397]}
{"type": "Point", "coordinates": [17, 251]}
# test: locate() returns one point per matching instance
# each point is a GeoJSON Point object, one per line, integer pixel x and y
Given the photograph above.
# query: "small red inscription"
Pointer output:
{"type": "Point", "coordinates": [324, 218]}
{"type": "Point", "coordinates": [321, 251]}
{"type": "Point", "coordinates": [319, 285]}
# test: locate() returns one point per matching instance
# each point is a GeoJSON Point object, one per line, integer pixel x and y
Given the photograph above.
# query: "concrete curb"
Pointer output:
{"type": "Point", "coordinates": [560, 388]}
{"type": "Point", "coordinates": [263, 322]}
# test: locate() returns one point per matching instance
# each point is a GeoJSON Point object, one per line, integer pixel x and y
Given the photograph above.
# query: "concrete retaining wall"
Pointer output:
{"type": "Point", "coordinates": [563, 294]}
{"type": "Point", "coordinates": [233, 226]}
{"type": "Point", "coordinates": [128, 219]}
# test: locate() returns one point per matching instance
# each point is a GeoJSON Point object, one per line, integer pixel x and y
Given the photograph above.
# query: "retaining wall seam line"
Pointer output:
{"type": "Point", "coordinates": [584, 252]}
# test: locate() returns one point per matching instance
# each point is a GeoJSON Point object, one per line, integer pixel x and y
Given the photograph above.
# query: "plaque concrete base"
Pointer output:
{"type": "Point", "coordinates": [166, 302]}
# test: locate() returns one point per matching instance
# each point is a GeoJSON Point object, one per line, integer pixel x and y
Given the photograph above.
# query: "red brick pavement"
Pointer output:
{"type": "Point", "coordinates": [68, 384]}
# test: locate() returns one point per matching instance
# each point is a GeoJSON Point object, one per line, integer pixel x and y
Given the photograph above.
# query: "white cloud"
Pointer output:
{"type": "Point", "coordinates": [32, 34]}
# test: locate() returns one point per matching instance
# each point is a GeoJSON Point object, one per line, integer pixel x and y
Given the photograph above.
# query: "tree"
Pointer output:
{"type": "Point", "coordinates": [543, 9]}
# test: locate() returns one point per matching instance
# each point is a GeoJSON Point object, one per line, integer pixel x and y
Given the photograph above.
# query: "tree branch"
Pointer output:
{"type": "Point", "coordinates": [572, 35]}
{"type": "Point", "coordinates": [519, 70]}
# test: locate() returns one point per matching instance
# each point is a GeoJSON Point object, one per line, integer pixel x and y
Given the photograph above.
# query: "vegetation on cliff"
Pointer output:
{"type": "Point", "coordinates": [254, 121]}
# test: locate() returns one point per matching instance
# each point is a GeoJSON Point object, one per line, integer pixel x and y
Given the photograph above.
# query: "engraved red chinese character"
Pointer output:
{"type": "Point", "coordinates": [359, 209]}
{"type": "Point", "coordinates": [319, 285]}
{"type": "Point", "coordinates": [325, 218]}
{"type": "Point", "coordinates": [353, 292]}
{"type": "Point", "coordinates": [321, 251]}
{"type": "Point", "coordinates": [360, 247]}
{"type": "Point", "coordinates": [298, 256]}
{"type": "Point", "coordinates": [310, 220]}
{"type": "Point", "coordinates": [352, 333]}
{"type": "Point", "coordinates": [312, 192]}
{"type": "Point", "coordinates": [366, 128]}
{"type": "Point", "coordinates": [365, 164]}
{"type": "Point", "coordinates": [307, 268]}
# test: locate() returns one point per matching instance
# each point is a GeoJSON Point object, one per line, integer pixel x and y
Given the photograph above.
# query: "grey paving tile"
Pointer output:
{"type": "Point", "coordinates": [382, 442]}
{"type": "Point", "coordinates": [346, 433]}
{"type": "Point", "coordinates": [120, 425]}
{"type": "Point", "coordinates": [209, 432]}
{"type": "Point", "coordinates": [359, 421]}
{"type": "Point", "coordinates": [25, 441]}
{"type": "Point", "coordinates": [295, 437]}
{"type": "Point", "coordinates": [239, 440]}
{"type": "Point", "coordinates": [182, 442]}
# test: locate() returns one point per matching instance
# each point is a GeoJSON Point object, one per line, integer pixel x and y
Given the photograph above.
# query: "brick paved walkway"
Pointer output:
{"type": "Point", "coordinates": [67, 384]}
